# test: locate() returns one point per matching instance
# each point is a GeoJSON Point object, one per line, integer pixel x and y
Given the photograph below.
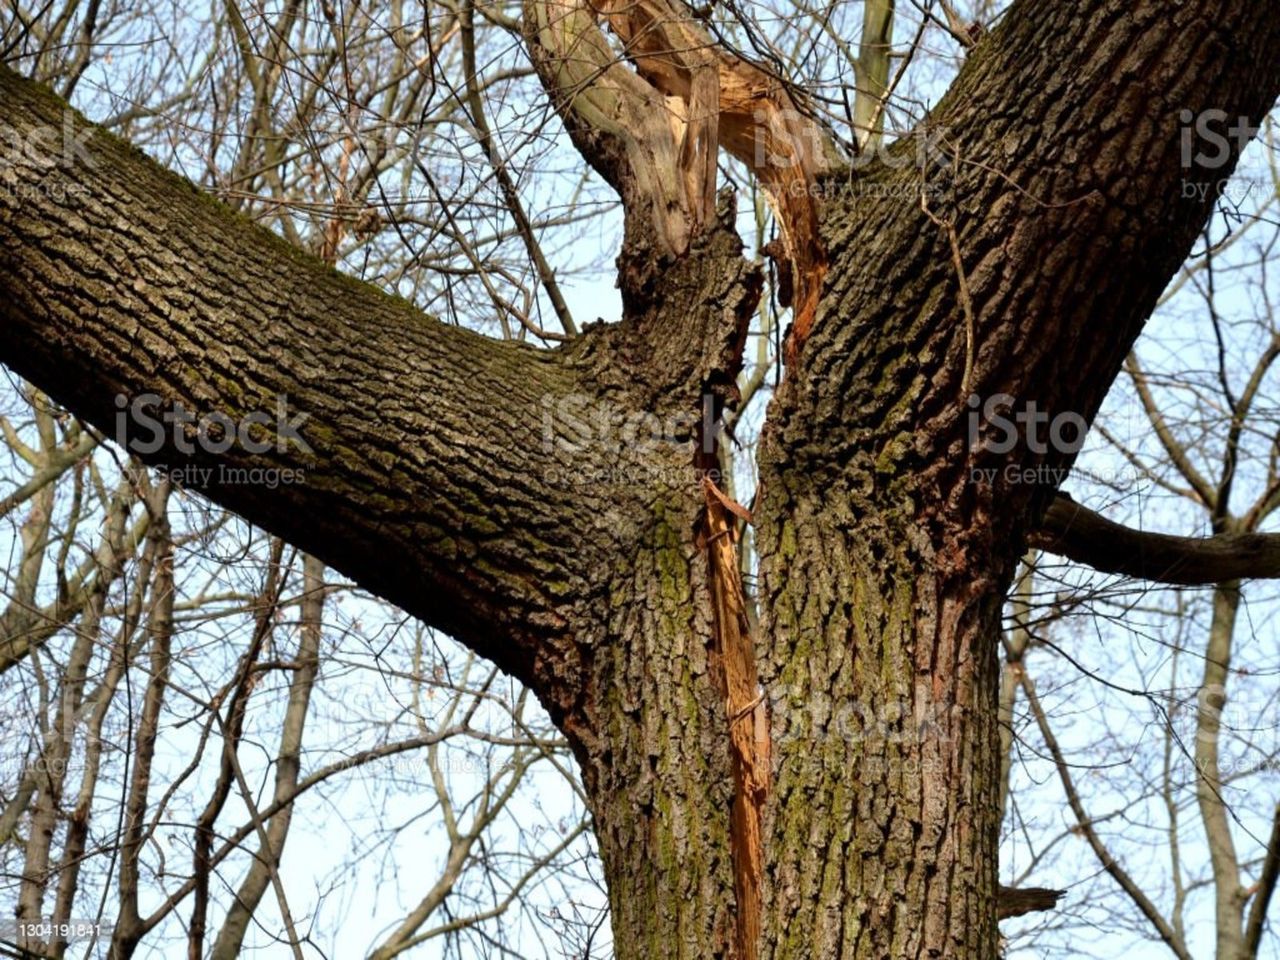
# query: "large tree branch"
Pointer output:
{"type": "Point", "coordinates": [1077, 533]}
{"type": "Point", "coordinates": [437, 468]}
{"type": "Point", "coordinates": [487, 487]}
{"type": "Point", "coordinates": [1038, 248]}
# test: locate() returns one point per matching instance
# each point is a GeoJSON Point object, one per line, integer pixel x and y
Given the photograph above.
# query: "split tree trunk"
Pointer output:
{"type": "Point", "coordinates": [586, 563]}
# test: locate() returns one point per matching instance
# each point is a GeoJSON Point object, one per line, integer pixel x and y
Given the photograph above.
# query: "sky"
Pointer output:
{"type": "Point", "coordinates": [1128, 648]}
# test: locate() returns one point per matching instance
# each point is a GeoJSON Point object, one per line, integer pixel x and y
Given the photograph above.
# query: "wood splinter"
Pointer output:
{"type": "Point", "coordinates": [746, 709]}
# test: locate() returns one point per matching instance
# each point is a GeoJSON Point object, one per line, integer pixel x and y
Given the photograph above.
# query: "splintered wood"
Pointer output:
{"type": "Point", "coordinates": [747, 713]}
{"type": "Point", "coordinates": [710, 98]}
{"type": "Point", "coordinates": [747, 110]}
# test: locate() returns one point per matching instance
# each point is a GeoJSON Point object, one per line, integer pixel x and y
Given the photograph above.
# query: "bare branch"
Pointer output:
{"type": "Point", "coordinates": [1085, 825]}
{"type": "Point", "coordinates": [1077, 533]}
{"type": "Point", "coordinates": [1263, 890]}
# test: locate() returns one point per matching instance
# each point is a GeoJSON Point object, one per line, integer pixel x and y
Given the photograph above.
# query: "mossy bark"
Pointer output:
{"type": "Point", "coordinates": [454, 475]}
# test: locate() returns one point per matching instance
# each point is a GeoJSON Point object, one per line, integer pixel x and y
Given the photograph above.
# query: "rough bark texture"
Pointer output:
{"type": "Point", "coordinates": [469, 481]}
{"type": "Point", "coordinates": [884, 558]}
{"type": "Point", "coordinates": [481, 467]}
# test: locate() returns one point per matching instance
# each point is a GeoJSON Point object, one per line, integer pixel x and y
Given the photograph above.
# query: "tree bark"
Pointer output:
{"type": "Point", "coordinates": [1075, 532]}
{"type": "Point", "coordinates": [886, 543]}
{"type": "Point", "coordinates": [486, 487]}
{"type": "Point", "coordinates": [472, 483]}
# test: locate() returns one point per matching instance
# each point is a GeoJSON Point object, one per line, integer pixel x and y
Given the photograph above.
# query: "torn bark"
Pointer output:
{"type": "Point", "coordinates": [762, 121]}
{"type": "Point", "coordinates": [709, 97]}
{"type": "Point", "coordinates": [649, 147]}
{"type": "Point", "coordinates": [747, 713]}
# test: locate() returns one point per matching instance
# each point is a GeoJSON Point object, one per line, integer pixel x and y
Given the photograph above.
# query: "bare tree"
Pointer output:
{"type": "Point", "coordinates": [561, 510]}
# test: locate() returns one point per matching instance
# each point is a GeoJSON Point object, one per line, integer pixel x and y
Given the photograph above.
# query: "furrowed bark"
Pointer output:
{"type": "Point", "coordinates": [885, 553]}
{"type": "Point", "coordinates": [563, 550]}
{"type": "Point", "coordinates": [673, 767]}
{"type": "Point", "coordinates": [885, 550]}
{"type": "Point", "coordinates": [422, 442]}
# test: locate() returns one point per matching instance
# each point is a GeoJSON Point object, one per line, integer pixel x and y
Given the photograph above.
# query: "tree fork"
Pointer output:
{"type": "Point", "coordinates": [664, 170]}
{"type": "Point", "coordinates": [883, 564]}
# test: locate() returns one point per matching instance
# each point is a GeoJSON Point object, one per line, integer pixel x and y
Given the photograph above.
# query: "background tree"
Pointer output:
{"type": "Point", "coordinates": [1146, 715]}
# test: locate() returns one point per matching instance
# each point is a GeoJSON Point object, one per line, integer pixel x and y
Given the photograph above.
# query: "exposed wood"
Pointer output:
{"type": "Point", "coordinates": [747, 714]}
{"type": "Point", "coordinates": [635, 136]}
{"type": "Point", "coordinates": [762, 121]}
{"type": "Point", "coordinates": [709, 97]}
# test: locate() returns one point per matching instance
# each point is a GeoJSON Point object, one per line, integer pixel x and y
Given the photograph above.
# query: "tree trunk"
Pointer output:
{"type": "Point", "coordinates": [1230, 897]}
{"type": "Point", "coordinates": [827, 784]}
{"type": "Point", "coordinates": [883, 665]}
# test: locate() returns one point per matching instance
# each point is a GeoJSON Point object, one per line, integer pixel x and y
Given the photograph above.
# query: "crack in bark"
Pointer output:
{"type": "Point", "coordinates": [746, 710]}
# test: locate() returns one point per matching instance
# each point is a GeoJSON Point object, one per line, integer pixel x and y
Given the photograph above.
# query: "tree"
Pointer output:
{"type": "Point", "coordinates": [732, 818]}
{"type": "Point", "coordinates": [1145, 713]}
